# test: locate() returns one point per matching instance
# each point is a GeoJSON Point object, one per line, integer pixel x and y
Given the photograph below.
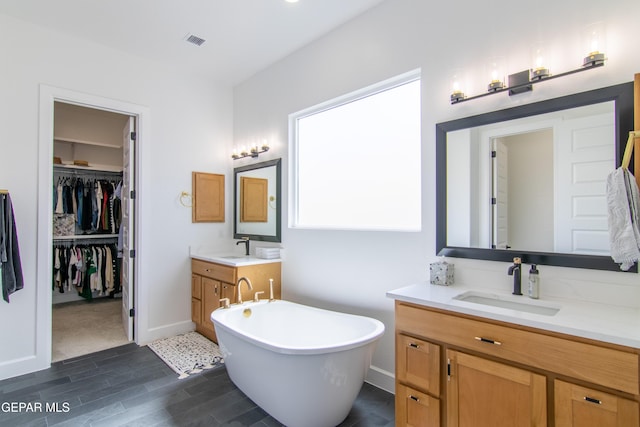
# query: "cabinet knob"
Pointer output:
{"type": "Point", "coordinates": [414, 345]}
{"type": "Point", "coordinates": [412, 397]}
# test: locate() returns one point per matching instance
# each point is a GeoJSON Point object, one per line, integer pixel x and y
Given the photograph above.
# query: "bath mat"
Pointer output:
{"type": "Point", "coordinates": [188, 353]}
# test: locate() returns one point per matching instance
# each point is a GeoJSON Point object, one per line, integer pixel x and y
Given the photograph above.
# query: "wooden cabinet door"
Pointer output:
{"type": "Point", "coordinates": [196, 312]}
{"type": "Point", "coordinates": [196, 300]}
{"type": "Point", "coordinates": [207, 195]}
{"type": "Point", "coordinates": [418, 364]}
{"type": "Point", "coordinates": [210, 302]}
{"type": "Point", "coordinates": [196, 286]}
{"type": "Point", "coordinates": [416, 409]}
{"type": "Point", "coordinates": [228, 291]}
{"type": "Point", "coordinates": [483, 393]}
{"type": "Point", "coordinates": [577, 406]}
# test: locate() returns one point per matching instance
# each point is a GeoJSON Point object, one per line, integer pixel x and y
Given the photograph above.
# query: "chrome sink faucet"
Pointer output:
{"type": "Point", "coordinates": [516, 271]}
{"type": "Point", "coordinates": [245, 241]}
{"type": "Point", "coordinates": [248, 282]}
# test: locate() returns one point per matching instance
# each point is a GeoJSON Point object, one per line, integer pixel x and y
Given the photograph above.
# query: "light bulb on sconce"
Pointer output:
{"type": "Point", "coordinates": [539, 70]}
{"type": "Point", "coordinates": [457, 94]}
{"type": "Point", "coordinates": [593, 40]}
{"type": "Point", "coordinates": [496, 73]}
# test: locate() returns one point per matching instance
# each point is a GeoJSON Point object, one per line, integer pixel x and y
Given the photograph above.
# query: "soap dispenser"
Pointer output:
{"type": "Point", "coordinates": [534, 282]}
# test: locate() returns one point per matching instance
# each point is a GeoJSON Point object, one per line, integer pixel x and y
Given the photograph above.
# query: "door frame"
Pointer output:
{"type": "Point", "coordinates": [49, 95]}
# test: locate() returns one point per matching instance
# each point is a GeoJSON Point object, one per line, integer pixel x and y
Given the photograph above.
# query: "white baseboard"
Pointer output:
{"type": "Point", "coordinates": [165, 331]}
{"type": "Point", "coordinates": [21, 366]}
{"type": "Point", "coordinates": [382, 379]}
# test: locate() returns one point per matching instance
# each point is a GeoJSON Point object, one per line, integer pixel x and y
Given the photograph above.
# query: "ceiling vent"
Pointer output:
{"type": "Point", "coordinates": [195, 40]}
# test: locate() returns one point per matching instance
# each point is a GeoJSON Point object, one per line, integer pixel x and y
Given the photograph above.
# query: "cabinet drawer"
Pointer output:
{"type": "Point", "coordinates": [581, 406]}
{"type": "Point", "coordinates": [416, 409]}
{"type": "Point", "coordinates": [220, 272]}
{"type": "Point", "coordinates": [418, 363]}
{"type": "Point", "coordinates": [589, 362]}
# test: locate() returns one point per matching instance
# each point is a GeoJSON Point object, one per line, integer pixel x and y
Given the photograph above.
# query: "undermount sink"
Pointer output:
{"type": "Point", "coordinates": [506, 301]}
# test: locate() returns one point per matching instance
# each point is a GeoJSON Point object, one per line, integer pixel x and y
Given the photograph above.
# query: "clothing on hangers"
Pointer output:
{"type": "Point", "coordinates": [91, 269]}
{"type": "Point", "coordinates": [91, 201]}
{"type": "Point", "coordinates": [10, 264]}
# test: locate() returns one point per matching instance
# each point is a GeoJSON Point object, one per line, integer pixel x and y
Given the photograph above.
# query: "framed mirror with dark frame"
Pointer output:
{"type": "Point", "coordinates": [257, 212]}
{"type": "Point", "coordinates": [621, 98]}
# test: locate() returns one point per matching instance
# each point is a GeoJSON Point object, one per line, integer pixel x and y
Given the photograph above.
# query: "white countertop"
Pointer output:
{"type": "Point", "coordinates": [233, 260]}
{"type": "Point", "coordinates": [607, 323]}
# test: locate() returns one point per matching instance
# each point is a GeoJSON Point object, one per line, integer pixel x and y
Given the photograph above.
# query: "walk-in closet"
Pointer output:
{"type": "Point", "coordinates": [90, 203]}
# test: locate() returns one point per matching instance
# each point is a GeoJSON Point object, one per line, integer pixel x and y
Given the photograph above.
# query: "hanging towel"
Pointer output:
{"type": "Point", "coordinates": [622, 207]}
{"type": "Point", "coordinates": [11, 267]}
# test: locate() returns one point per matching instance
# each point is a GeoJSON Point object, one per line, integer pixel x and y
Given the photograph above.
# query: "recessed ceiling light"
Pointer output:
{"type": "Point", "coordinates": [291, 1]}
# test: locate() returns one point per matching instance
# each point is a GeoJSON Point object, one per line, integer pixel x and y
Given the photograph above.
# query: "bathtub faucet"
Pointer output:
{"type": "Point", "coordinates": [248, 282]}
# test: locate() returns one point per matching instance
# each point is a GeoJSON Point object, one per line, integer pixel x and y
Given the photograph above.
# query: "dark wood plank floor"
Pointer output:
{"type": "Point", "coordinates": [131, 386]}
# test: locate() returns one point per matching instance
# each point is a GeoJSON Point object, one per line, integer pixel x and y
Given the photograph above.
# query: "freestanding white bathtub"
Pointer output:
{"type": "Point", "coordinates": [303, 365]}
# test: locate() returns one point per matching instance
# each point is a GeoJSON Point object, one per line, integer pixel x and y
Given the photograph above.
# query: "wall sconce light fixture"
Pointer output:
{"type": "Point", "coordinates": [523, 81]}
{"type": "Point", "coordinates": [540, 70]}
{"type": "Point", "coordinates": [456, 87]}
{"type": "Point", "coordinates": [255, 151]}
{"type": "Point", "coordinates": [593, 41]}
{"type": "Point", "coordinates": [496, 73]}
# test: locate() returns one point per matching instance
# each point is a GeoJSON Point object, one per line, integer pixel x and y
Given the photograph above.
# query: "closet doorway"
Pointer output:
{"type": "Point", "coordinates": [93, 229]}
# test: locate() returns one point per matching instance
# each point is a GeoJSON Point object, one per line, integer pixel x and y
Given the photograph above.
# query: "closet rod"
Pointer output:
{"type": "Point", "coordinates": [68, 242]}
{"type": "Point", "coordinates": [94, 236]}
{"type": "Point", "coordinates": [4, 191]}
{"type": "Point", "coordinates": [86, 173]}
{"type": "Point", "coordinates": [76, 172]}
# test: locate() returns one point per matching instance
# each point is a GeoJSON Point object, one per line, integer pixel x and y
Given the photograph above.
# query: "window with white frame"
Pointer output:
{"type": "Point", "coordinates": [355, 160]}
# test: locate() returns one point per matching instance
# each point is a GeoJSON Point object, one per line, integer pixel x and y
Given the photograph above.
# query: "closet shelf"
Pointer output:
{"type": "Point", "coordinates": [93, 168]}
{"type": "Point", "coordinates": [86, 142]}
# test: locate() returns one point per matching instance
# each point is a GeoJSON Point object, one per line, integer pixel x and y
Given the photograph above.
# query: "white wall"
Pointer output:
{"type": "Point", "coordinates": [351, 271]}
{"type": "Point", "coordinates": [188, 128]}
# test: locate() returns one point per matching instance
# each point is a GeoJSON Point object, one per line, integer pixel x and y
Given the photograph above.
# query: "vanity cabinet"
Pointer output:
{"type": "Point", "coordinates": [210, 291]}
{"type": "Point", "coordinates": [481, 372]}
{"type": "Point", "coordinates": [210, 282]}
